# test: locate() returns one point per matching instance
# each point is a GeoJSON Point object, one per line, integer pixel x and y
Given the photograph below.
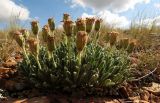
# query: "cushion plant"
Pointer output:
{"type": "Point", "coordinates": [75, 63]}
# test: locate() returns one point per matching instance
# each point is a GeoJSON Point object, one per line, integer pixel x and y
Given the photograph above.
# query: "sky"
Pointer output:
{"type": "Point", "coordinates": [118, 13]}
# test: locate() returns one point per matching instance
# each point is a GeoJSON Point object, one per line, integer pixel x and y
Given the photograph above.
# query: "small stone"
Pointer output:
{"type": "Point", "coordinates": [7, 72]}
{"type": "Point", "coordinates": [10, 63]}
{"type": "Point", "coordinates": [154, 99]}
{"type": "Point", "coordinates": [145, 95]}
{"type": "Point", "coordinates": [154, 89]}
{"type": "Point", "coordinates": [140, 101]}
{"type": "Point", "coordinates": [4, 70]}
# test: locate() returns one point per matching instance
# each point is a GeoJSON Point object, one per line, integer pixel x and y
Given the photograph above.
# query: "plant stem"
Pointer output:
{"type": "Point", "coordinates": [51, 57]}
{"type": "Point", "coordinates": [25, 53]}
{"type": "Point", "coordinates": [37, 36]}
{"type": "Point", "coordinates": [79, 57]}
{"type": "Point", "coordinates": [69, 46]}
{"type": "Point", "coordinates": [65, 39]}
{"type": "Point", "coordinates": [96, 38]}
{"type": "Point", "coordinates": [39, 65]}
{"type": "Point", "coordinates": [55, 65]}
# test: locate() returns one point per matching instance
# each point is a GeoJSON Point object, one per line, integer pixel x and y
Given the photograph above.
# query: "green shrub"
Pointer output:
{"type": "Point", "coordinates": [74, 64]}
{"type": "Point", "coordinates": [99, 68]}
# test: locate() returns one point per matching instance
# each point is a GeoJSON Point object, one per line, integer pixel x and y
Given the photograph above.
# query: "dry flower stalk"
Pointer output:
{"type": "Point", "coordinates": [113, 37]}
{"type": "Point", "coordinates": [35, 27]}
{"type": "Point", "coordinates": [66, 17]}
{"type": "Point", "coordinates": [89, 24]}
{"type": "Point", "coordinates": [45, 32]}
{"type": "Point", "coordinates": [98, 24]}
{"type": "Point", "coordinates": [51, 43]}
{"type": "Point", "coordinates": [25, 33]}
{"type": "Point", "coordinates": [132, 45]}
{"type": "Point", "coordinates": [82, 39]}
{"type": "Point", "coordinates": [18, 37]}
{"type": "Point", "coordinates": [124, 43]}
{"type": "Point", "coordinates": [68, 27]}
{"type": "Point", "coordinates": [81, 24]}
{"type": "Point", "coordinates": [34, 45]}
{"type": "Point", "coordinates": [51, 24]}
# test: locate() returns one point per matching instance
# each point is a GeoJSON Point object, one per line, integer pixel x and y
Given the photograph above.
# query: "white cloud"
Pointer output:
{"type": "Point", "coordinates": [113, 5]}
{"type": "Point", "coordinates": [77, 2]}
{"type": "Point", "coordinates": [84, 15]}
{"type": "Point", "coordinates": [157, 5]}
{"type": "Point", "coordinates": [9, 9]}
{"type": "Point", "coordinates": [109, 10]}
{"type": "Point", "coordinates": [111, 19]}
{"type": "Point", "coordinates": [114, 19]}
{"type": "Point", "coordinates": [150, 21]}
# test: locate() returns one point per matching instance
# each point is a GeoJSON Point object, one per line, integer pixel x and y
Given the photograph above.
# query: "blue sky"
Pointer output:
{"type": "Point", "coordinates": [43, 9]}
{"type": "Point", "coordinates": [117, 12]}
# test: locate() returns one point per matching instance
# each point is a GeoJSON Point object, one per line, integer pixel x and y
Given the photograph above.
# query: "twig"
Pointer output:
{"type": "Point", "coordinates": [134, 80]}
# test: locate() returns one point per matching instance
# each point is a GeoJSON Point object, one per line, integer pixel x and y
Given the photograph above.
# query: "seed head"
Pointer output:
{"type": "Point", "coordinates": [132, 45]}
{"type": "Point", "coordinates": [25, 33]}
{"type": "Point", "coordinates": [124, 43]}
{"type": "Point", "coordinates": [80, 24]}
{"type": "Point", "coordinates": [107, 37]}
{"type": "Point", "coordinates": [98, 24]}
{"type": "Point", "coordinates": [51, 43]}
{"type": "Point", "coordinates": [68, 27]}
{"type": "Point", "coordinates": [51, 24]}
{"type": "Point", "coordinates": [66, 17]}
{"type": "Point", "coordinates": [82, 39]}
{"type": "Point", "coordinates": [18, 37]}
{"type": "Point", "coordinates": [35, 27]}
{"type": "Point", "coordinates": [45, 32]}
{"type": "Point", "coordinates": [34, 45]}
{"type": "Point", "coordinates": [113, 37]}
{"type": "Point", "coordinates": [89, 24]}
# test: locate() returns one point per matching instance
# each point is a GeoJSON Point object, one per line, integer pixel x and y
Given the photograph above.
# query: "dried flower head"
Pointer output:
{"type": "Point", "coordinates": [81, 24]}
{"type": "Point", "coordinates": [124, 43]}
{"type": "Point", "coordinates": [132, 45]}
{"type": "Point", "coordinates": [66, 17]}
{"type": "Point", "coordinates": [51, 24]}
{"type": "Point", "coordinates": [82, 39]}
{"type": "Point", "coordinates": [89, 24]}
{"type": "Point", "coordinates": [98, 24]}
{"type": "Point", "coordinates": [68, 27]}
{"type": "Point", "coordinates": [25, 33]}
{"type": "Point", "coordinates": [45, 32]}
{"type": "Point", "coordinates": [35, 27]}
{"type": "Point", "coordinates": [113, 37]}
{"type": "Point", "coordinates": [51, 43]}
{"type": "Point", "coordinates": [18, 37]}
{"type": "Point", "coordinates": [34, 45]}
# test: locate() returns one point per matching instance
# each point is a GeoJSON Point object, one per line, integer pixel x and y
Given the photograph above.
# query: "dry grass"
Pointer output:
{"type": "Point", "coordinates": [7, 45]}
